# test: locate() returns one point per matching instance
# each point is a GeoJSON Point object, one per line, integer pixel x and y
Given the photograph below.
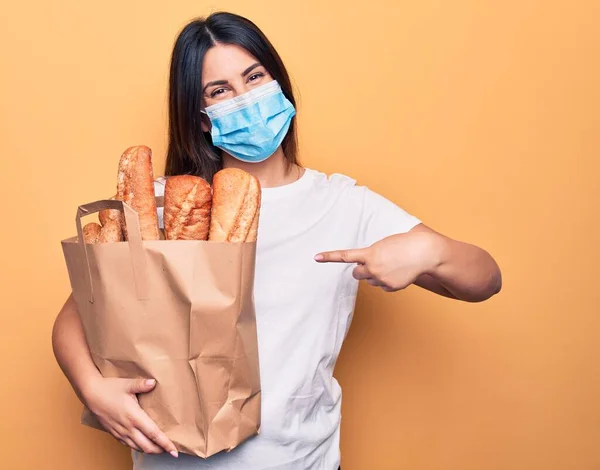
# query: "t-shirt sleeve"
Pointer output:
{"type": "Point", "coordinates": [382, 218]}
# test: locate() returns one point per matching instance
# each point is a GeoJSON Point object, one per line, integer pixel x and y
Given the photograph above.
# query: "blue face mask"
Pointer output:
{"type": "Point", "coordinates": [251, 127]}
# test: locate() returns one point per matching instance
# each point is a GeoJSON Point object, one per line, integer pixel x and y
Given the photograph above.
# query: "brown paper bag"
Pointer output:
{"type": "Point", "coordinates": [180, 312]}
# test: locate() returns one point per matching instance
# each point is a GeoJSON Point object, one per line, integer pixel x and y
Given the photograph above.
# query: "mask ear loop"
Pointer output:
{"type": "Point", "coordinates": [205, 120]}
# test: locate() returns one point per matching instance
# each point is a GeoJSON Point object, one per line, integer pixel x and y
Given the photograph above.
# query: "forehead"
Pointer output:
{"type": "Point", "coordinates": [225, 61]}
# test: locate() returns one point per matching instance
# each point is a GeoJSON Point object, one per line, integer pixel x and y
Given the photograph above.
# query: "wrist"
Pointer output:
{"type": "Point", "coordinates": [86, 388]}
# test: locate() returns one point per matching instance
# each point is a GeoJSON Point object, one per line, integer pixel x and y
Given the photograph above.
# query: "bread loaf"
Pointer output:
{"type": "Point", "coordinates": [108, 233]}
{"type": "Point", "coordinates": [187, 208]}
{"type": "Point", "coordinates": [109, 214]}
{"type": "Point", "coordinates": [91, 232]}
{"type": "Point", "coordinates": [135, 187]}
{"type": "Point", "coordinates": [111, 232]}
{"type": "Point", "coordinates": [235, 206]}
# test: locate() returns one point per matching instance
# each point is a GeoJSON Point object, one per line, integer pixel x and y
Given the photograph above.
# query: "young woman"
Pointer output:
{"type": "Point", "coordinates": [231, 105]}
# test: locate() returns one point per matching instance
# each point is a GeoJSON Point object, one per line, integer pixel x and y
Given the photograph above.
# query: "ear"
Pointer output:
{"type": "Point", "coordinates": [205, 123]}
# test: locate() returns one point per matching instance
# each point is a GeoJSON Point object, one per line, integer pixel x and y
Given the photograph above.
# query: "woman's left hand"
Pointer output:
{"type": "Point", "coordinates": [393, 263]}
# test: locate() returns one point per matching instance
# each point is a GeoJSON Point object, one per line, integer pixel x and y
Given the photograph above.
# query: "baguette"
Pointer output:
{"type": "Point", "coordinates": [187, 208]}
{"type": "Point", "coordinates": [235, 207]}
{"type": "Point", "coordinates": [135, 187]}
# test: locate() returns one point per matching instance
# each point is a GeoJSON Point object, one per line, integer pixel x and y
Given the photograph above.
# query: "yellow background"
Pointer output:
{"type": "Point", "coordinates": [480, 117]}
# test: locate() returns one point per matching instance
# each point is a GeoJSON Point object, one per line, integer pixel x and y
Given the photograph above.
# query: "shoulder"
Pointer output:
{"type": "Point", "coordinates": [339, 182]}
{"type": "Point", "coordinates": [331, 181]}
{"type": "Point", "coordinates": [342, 193]}
{"type": "Point", "coordinates": [361, 198]}
{"type": "Point", "coordinates": [345, 187]}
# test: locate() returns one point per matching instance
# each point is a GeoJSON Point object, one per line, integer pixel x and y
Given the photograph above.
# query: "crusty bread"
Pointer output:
{"type": "Point", "coordinates": [109, 214]}
{"type": "Point", "coordinates": [187, 208]}
{"type": "Point", "coordinates": [111, 232]}
{"type": "Point", "coordinates": [108, 233]}
{"type": "Point", "coordinates": [235, 207]}
{"type": "Point", "coordinates": [91, 232]}
{"type": "Point", "coordinates": [135, 187]}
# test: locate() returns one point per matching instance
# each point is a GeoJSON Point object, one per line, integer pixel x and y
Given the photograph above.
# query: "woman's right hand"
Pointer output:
{"type": "Point", "coordinates": [115, 404]}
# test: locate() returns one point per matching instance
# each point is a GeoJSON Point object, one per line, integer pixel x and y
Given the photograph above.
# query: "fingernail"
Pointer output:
{"type": "Point", "coordinates": [150, 382]}
{"type": "Point", "coordinates": [174, 453]}
{"type": "Point", "coordinates": [319, 258]}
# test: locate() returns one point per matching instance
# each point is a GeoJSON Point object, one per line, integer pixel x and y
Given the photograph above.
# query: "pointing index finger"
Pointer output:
{"type": "Point", "coordinates": [342, 256]}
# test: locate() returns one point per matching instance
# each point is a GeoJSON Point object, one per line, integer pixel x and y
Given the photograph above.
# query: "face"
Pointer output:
{"type": "Point", "coordinates": [228, 71]}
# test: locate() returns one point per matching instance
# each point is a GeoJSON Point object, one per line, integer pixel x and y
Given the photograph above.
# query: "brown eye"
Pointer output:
{"type": "Point", "coordinates": [218, 91]}
{"type": "Point", "coordinates": [256, 76]}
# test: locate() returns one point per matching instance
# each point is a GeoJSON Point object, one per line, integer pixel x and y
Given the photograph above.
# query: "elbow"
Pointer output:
{"type": "Point", "coordinates": [484, 286]}
{"type": "Point", "coordinates": [59, 325]}
{"type": "Point", "coordinates": [493, 280]}
{"type": "Point", "coordinates": [490, 288]}
{"type": "Point", "coordinates": [55, 333]}
{"type": "Point", "coordinates": [498, 281]}
{"type": "Point", "coordinates": [495, 285]}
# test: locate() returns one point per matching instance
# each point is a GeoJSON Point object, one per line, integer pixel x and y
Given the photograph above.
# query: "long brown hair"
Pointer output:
{"type": "Point", "coordinates": [190, 149]}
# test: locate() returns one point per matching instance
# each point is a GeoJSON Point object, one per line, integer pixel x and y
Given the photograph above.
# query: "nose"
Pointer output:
{"type": "Point", "coordinates": [241, 87]}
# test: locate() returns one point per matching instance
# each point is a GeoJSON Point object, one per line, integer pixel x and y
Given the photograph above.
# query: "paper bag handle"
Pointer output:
{"type": "Point", "coordinates": [136, 248]}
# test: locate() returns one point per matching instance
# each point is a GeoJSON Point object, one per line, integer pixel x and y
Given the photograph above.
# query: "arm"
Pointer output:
{"type": "Point", "coordinates": [458, 270]}
{"type": "Point", "coordinates": [71, 350]}
{"type": "Point", "coordinates": [401, 250]}
{"type": "Point", "coordinates": [425, 258]}
{"type": "Point", "coordinates": [112, 400]}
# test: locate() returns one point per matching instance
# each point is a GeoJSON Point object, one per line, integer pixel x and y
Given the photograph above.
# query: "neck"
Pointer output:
{"type": "Point", "coordinates": [274, 171]}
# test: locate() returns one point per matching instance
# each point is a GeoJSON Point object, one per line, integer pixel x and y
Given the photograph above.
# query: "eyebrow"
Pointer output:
{"type": "Point", "coordinates": [250, 69]}
{"type": "Point", "coordinates": [225, 82]}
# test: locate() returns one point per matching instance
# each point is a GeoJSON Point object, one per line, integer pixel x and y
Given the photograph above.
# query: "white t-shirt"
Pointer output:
{"type": "Point", "coordinates": [303, 312]}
